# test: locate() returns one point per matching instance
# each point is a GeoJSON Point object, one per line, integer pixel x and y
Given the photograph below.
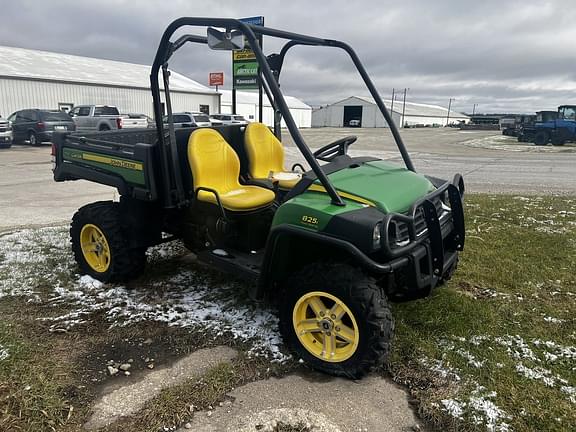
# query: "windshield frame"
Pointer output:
{"type": "Point", "coordinates": [269, 79]}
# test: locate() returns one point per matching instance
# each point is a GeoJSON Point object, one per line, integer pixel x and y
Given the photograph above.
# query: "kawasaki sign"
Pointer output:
{"type": "Point", "coordinates": [244, 64]}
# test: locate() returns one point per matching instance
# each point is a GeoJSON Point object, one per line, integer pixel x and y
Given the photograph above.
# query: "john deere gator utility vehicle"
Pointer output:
{"type": "Point", "coordinates": [329, 245]}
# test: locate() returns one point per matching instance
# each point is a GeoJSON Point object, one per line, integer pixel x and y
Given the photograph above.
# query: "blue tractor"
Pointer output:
{"type": "Point", "coordinates": [559, 130]}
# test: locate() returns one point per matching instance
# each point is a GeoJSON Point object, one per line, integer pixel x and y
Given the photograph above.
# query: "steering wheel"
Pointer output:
{"type": "Point", "coordinates": [337, 148]}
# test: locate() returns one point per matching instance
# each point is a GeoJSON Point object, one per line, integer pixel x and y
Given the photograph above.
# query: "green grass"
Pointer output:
{"type": "Point", "coordinates": [516, 285]}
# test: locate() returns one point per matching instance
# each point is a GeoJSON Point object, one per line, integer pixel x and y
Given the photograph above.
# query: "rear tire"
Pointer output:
{"type": "Point", "coordinates": [557, 141]}
{"type": "Point", "coordinates": [361, 336]}
{"type": "Point", "coordinates": [33, 139]}
{"type": "Point", "coordinates": [104, 128]}
{"type": "Point", "coordinates": [101, 245]}
{"type": "Point", "coordinates": [541, 138]}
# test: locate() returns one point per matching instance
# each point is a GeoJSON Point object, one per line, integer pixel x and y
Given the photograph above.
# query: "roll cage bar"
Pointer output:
{"type": "Point", "coordinates": [270, 69]}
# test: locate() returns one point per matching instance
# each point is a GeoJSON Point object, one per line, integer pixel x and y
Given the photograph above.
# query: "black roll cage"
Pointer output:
{"type": "Point", "coordinates": [270, 68]}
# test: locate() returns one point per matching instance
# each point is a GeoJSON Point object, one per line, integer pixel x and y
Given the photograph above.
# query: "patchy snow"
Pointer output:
{"type": "Point", "coordinates": [454, 407]}
{"type": "Point", "coordinates": [571, 392]}
{"type": "Point", "coordinates": [516, 347]}
{"type": "Point", "coordinates": [480, 408]}
{"type": "Point", "coordinates": [4, 354]}
{"type": "Point", "coordinates": [556, 350]}
{"type": "Point", "coordinates": [537, 373]}
{"type": "Point", "coordinates": [487, 412]}
{"type": "Point", "coordinates": [554, 320]}
{"type": "Point", "coordinates": [472, 361]}
{"type": "Point", "coordinates": [39, 264]}
{"type": "Point", "coordinates": [440, 369]}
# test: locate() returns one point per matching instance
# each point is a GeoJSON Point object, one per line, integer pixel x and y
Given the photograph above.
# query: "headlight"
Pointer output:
{"type": "Point", "coordinates": [377, 236]}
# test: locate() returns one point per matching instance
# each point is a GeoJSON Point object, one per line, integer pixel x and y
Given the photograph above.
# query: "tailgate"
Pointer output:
{"type": "Point", "coordinates": [127, 167]}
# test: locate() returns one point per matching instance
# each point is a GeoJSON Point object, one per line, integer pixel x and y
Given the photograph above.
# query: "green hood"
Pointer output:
{"type": "Point", "coordinates": [390, 187]}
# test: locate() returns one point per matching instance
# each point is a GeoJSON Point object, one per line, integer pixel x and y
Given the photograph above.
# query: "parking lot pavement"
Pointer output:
{"type": "Point", "coordinates": [488, 161]}
{"type": "Point", "coordinates": [30, 197]}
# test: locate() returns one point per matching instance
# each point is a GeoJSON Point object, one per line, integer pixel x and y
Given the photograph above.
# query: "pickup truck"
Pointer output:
{"type": "Point", "coordinates": [5, 133]}
{"type": "Point", "coordinates": [96, 118]}
{"type": "Point", "coordinates": [136, 121]}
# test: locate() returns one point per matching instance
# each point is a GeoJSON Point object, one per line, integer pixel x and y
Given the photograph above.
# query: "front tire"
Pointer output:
{"type": "Point", "coordinates": [102, 247]}
{"type": "Point", "coordinates": [336, 319]}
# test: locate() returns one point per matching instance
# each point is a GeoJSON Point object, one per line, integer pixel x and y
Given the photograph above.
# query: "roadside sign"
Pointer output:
{"type": "Point", "coordinates": [244, 64]}
{"type": "Point", "coordinates": [256, 20]}
{"type": "Point", "coordinates": [216, 78]}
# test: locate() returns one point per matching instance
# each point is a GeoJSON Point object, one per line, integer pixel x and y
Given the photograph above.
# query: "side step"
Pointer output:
{"type": "Point", "coordinates": [244, 265]}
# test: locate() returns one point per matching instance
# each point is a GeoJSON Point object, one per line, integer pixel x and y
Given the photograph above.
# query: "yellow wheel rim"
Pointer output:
{"type": "Point", "coordinates": [95, 248]}
{"type": "Point", "coordinates": [325, 326]}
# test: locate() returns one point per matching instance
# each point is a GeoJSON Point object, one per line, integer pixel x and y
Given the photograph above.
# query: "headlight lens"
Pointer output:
{"type": "Point", "coordinates": [377, 236]}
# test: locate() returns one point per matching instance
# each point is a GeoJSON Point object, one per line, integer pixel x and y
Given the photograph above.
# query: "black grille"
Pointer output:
{"type": "Point", "coordinates": [3, 129]}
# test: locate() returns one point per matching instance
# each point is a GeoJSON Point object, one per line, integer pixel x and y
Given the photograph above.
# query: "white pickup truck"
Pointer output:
{"type": "Point", "coordinates": [135, 120]}
{"type": "Point", "coordinates": [5, 133]}
{"type": "Point", "coordinates": [96, 117]}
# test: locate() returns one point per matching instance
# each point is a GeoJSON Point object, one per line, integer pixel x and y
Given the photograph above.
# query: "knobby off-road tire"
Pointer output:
{"type": "Point", "coordinates": [367, 313]}
{"type": "Point", "coordinates": [101, 245]}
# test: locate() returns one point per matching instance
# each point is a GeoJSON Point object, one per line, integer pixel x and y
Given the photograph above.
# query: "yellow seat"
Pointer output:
{"type": "Point", "coordinates": [216, 166]}
{"type": "Point", "coordinates": [266, 156]}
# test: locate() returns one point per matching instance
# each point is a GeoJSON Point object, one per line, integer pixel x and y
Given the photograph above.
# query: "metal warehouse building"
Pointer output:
{"type": "Point", "coordinates": [247, 105]}
{"type": "Point", "coordinates": [40, 79]}
{"type": "Point", "coordinates": [364, 109]}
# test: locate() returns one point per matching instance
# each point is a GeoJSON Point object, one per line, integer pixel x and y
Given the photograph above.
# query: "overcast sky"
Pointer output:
{"type": "Point", "coordinates": [505, 56]}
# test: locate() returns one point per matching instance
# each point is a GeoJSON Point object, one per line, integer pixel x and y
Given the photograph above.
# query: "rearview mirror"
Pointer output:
{"type": "Point", "coordinates": [225, 40]}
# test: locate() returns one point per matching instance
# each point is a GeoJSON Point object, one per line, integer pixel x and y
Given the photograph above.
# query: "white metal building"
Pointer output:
{"type": "Point", "coordinates": [364, 109]}
{"type": "Point", "coordinates": [40, 79]}
{"type": "Point", "coordinates": [247, 105]}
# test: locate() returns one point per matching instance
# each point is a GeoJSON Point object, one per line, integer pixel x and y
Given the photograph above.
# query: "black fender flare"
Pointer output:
{"type": "Point", "coordinates": [269, 276]}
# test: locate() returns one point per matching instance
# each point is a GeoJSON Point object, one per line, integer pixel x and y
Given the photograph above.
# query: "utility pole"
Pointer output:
{"type": "Point", "coordinates": [449, 106]}
{"type": "Point", "coordinates": [474, 109]}
{"type": "Point", "coordinates": [392, 105]}
{"type": "Point", "coordinates": [404, 106]}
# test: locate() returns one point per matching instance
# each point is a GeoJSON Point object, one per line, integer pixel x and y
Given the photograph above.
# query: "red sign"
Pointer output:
{"type": "Point", "coordinates": [216, 78]}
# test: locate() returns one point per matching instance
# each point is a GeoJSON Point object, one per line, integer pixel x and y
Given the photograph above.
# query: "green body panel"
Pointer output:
{"type": "Point", "coordinates": [129, 170]}
{"type": "Point", "coordinates": [311, 210]}
{"type": "Point", "coordinates": [390, 187]}
{"type": "Point", "coordinates": [386, 186]}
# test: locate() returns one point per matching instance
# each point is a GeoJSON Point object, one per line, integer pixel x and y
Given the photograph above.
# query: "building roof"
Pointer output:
{"type": "Point", "coordinates": [412, 109]}
{"type": "Point", "coordinates": [252, 98]}
{"type": "Point", "coordinates": [50, 66]}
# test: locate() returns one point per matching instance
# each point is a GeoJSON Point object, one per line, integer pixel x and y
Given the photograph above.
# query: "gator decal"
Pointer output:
{"type": "Point", "coordinates": [131, 171]}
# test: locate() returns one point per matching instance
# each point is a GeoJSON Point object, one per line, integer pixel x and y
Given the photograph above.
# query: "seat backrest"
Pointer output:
{"type": "Point", "coordinates": [213, 162]}
{"type": "Point", "coordinates": [265, 152]}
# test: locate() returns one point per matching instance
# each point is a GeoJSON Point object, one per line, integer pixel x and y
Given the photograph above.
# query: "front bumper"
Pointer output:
{"type": "Point", "coordinates": [431, 251]}
{"type": "Point", "coordinates": [5, 138]}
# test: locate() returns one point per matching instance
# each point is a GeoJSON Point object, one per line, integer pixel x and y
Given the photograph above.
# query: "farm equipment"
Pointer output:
{"type": "Point", "coordinates": [556, 129]}
{"type": "Point", "coordinates": [527, 130]}
{"type": "Point", "coordinates": [329, 245]}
